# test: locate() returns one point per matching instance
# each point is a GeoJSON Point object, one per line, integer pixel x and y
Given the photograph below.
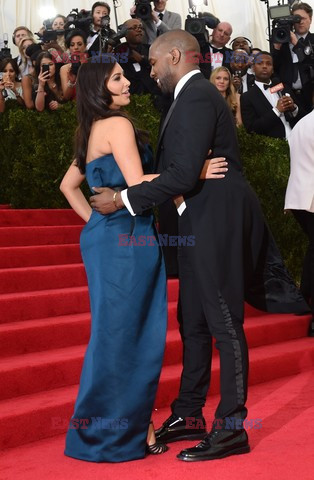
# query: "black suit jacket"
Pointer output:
{"type": "Point", "coordinates": [219, 212]}
{"type": "Point", "coordinates": [231, 238]}
{"type": "Point", "coordinates": [258, 115]}
{"type": "Point", "coordinates": [283, 65]}
{"type": "Point", "coordinates": [205, 59]}
{"type": "Point", "coordinates": [250, 81]}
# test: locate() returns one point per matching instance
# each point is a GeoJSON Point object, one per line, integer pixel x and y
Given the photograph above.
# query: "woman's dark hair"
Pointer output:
{"type": "Point", "coordinates": [101, 4]}
{"type": "Point", "coordinates": [76, 32]}
{"type": "Point", "coordinates": [93, 100]}
{"type": "Point", "coordinates": [13, 63]}
{"type": "Point", "coordinates": [57, 65]}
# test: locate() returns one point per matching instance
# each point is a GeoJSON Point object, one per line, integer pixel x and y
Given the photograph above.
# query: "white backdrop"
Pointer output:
{"type": "Point", "coordinates": [247, 17]}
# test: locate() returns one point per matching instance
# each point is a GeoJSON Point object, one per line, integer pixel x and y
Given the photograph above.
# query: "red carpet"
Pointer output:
{"type": "Point", "coordinates": [282, 449]}
{"type": "Point", "coordinates": [44, 328]}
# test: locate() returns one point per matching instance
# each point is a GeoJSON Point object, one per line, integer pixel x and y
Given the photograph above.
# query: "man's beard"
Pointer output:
{"type": "Point", "coordinates": [166, 83]}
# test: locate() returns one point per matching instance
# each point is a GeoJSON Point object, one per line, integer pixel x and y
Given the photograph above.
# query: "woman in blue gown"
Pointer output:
{"type": "Point", "coordinates": [127, 283]}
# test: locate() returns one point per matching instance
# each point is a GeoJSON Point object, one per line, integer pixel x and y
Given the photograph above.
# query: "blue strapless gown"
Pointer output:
{"type": "Point", "coordinates": [122, 364]}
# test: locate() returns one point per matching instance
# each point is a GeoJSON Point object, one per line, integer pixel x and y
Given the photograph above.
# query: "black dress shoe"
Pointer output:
{"type": "Point", "coordinates": [177, 428]}
{"type": "Point", "coordinates": [217, 444]}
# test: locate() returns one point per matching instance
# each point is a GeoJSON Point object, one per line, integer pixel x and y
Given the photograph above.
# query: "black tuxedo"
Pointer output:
{"type": "Point", "coordinates": [205, 59]}
{"type": "Point", "coordinates": [250, 81]}
{"type": "Point", "coordinates": [225, 219]}
{"type": "Point", "coordinates": [258, 115]}
{"type": "Point", "coordinates": [283, 67]}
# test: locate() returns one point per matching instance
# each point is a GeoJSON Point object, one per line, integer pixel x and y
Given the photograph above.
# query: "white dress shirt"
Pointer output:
{"type": "Point", "coordinates": [300, 188]}
{"type": "Point", "coordinates": [273, 100]}
{"type": "Point", "coordinates": [217, 58]}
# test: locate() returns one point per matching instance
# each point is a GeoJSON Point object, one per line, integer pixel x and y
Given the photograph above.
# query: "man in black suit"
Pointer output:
{"type": "Point", "coordinates": [239, 65]}
{"type": "Point", "coordinates": [133, 57]}
{"type": "Point", "coordinates": [225, 219]}
{"type": "Point", "coordinates": [215, 53]}
{"type": "Point", "coordinates": [294, 61]}
{"type": "Point", "coordinates": [262, 109]}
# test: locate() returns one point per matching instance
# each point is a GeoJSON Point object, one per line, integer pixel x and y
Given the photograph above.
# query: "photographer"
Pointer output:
{"type": "Point", "coordinates": [294, 61]}
{"type": "Point", "coordinates": [25, 64]}
{"type": "Point", "coordinates": [136, 68]}
{"type": "Point", "coordinates": [19, 33]}
{"type": "Point", "coordinates": [76, 43]}
{"type": "Point", "coordinates": [29, 81]}
{"type": "Point", "coordinates": [215, 50]}
{"type": "Point", "coordinates": [159, 21]}
{"type": "Point", "coordinates": [10, 87]}
{"type": "Point", "coordinates": [49, 92]}
{"type": "Point", "coordinates": [100, 25]}
{"type": "Point", "coordinates": [58, 24]}
{"type": "Point", "coordinates": [239, 65]}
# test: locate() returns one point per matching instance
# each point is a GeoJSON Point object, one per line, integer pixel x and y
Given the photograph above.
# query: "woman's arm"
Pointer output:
{"type": "Point", "coordinates": [2, 101]}
{"type": "Point", "coordinates": [121, 136]}
{"type": "Point", "coordinates": [67, 79]}
{"type": "Point", "coordinates": [70, 187]}
{"type": "Point", "coordinates": [28, 92]}
{"type": "Point", "coordinates": [40, 94]}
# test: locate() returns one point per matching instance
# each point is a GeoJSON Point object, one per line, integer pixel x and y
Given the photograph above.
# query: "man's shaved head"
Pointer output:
{"type": "Point", "coordinates": [180, 39]}
{"type": "Point", "coordinates": [171, 56]}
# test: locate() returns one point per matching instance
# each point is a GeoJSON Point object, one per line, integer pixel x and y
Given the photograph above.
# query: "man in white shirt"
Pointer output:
{"type": "Point", "coordinates": [300, 197]}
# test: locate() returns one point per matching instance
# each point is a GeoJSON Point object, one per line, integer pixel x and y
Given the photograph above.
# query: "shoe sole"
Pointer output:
{"type": "Point", "coordinates": [236, 451]}
{"type": "Point", "coordinates": [182, 437]}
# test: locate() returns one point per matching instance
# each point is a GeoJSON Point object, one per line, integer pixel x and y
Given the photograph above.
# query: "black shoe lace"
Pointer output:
{"type": "Point", "coordinates": [210, 436]}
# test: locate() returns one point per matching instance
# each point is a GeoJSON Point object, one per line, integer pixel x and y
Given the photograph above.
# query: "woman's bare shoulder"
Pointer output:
{"type": "Point", "coordinates": [116, 124]}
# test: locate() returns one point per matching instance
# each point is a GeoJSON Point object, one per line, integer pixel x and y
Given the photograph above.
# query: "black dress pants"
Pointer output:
{"type": "Point", "coordinates": [198, 326]}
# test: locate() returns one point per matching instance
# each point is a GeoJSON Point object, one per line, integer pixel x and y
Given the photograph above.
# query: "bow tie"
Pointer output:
{"type": "Point", "coordinates": [161, 16]}
{"type": "Point", "coordinates": [216, 50]}
{"type": "Point", "coordinates": [267, 85]}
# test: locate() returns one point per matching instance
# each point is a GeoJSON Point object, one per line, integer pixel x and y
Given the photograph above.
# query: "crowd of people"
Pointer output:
{"type": "Point", "coordinates": [292, 64]}
{"type": "Point", "coordinates": [203, 97]}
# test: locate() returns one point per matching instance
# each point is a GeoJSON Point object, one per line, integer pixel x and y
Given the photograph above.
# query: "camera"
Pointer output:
{"type": "Point", "coordinates": [282, 23]}
{"type": "Point", "coordinates": [5, 52]}
{"type": "Point", "coordinates": [196, 25]}
{"type": "Point", "coordinates": [45, 68]}
{"type": "Point", "coordinates": [4, 92]}
{"type": "Point", "coordinates": [143, 9]}
{"type": "Point", "coordinates": [79, 19]}
{"type": "Point", "coordinates": [282, 28]}
{"type": "Point", "coordinates": [49, 35]}
{"type": "Point", "coordinates": [75, 64]}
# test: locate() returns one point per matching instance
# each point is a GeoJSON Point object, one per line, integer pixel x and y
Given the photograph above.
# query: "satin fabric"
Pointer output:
{"type": "Point", "coordinates": [122, 364]}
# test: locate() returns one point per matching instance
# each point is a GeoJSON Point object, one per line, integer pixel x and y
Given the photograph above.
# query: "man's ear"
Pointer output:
{"type": "Point", "coordinates": [176, 55]}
